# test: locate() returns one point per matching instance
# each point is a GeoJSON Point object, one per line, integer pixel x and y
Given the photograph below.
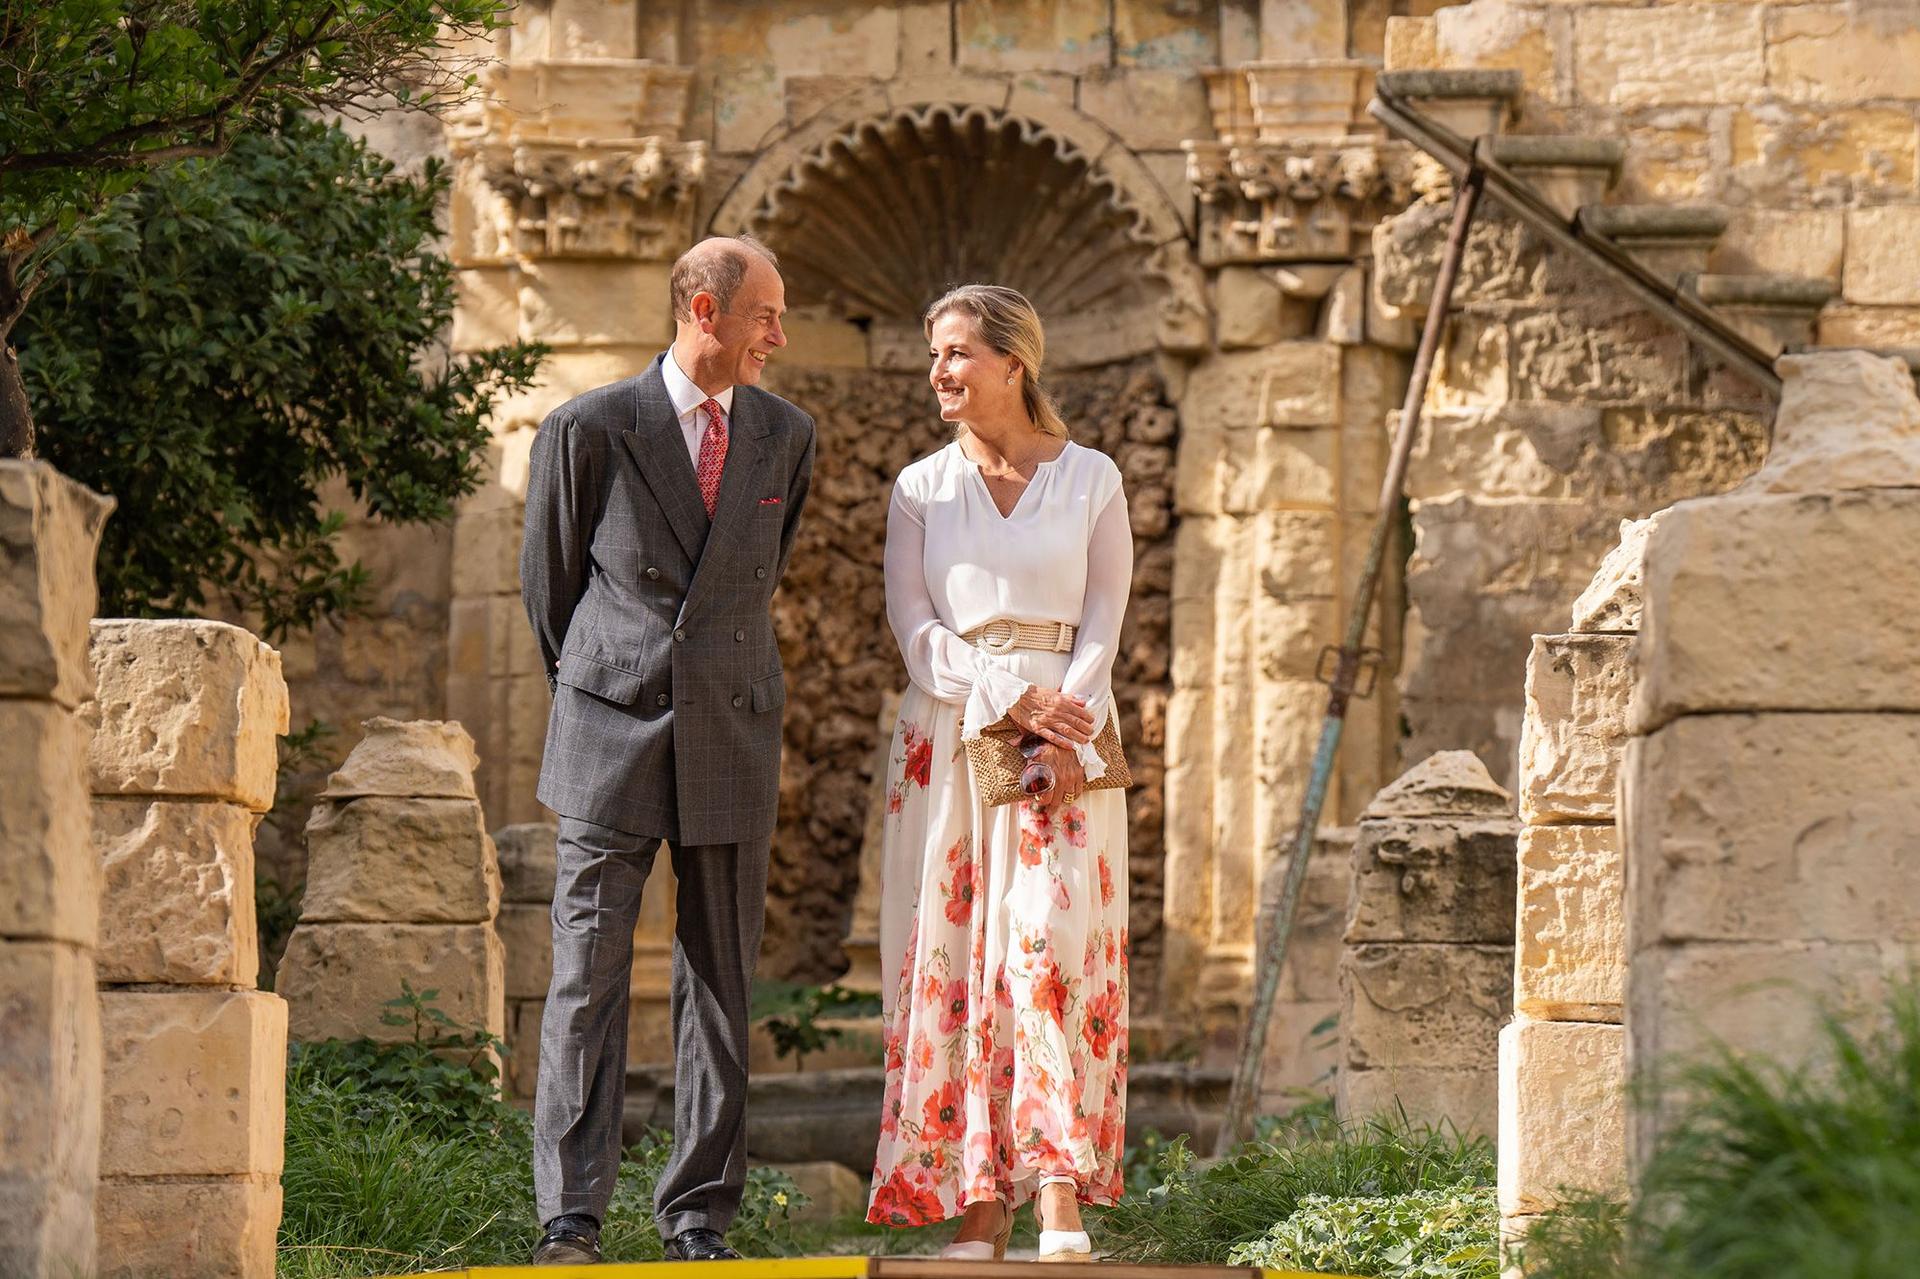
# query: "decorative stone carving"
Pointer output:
{"type": "Point", "coordinates": [1295, 200]}
{"type": "Point", "coordinates": [628, 198]}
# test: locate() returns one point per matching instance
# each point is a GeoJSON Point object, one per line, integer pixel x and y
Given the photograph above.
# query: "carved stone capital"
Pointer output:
{"type": "Point", "coordinates": [1311, 199]}
{"type": "Point", "coordinates": [621, 198]}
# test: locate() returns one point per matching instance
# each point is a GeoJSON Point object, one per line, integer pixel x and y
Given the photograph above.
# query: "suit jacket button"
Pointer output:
{"type": "Point", "coordinates": [679, 637]}
{"type": "Point", "coordinates": [739, 702]}
{"type": "Point", "coordinates": [739, 637]}
{"type": "Point", "coordinates": [661, 700]}
{"type": "Point", "coordinates": [760, 572]}
{"type": "Point", "coordinates": [653, 574]}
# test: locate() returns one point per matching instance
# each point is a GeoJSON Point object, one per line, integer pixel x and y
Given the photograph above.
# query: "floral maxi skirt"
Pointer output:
{"type": "Point", "coordinates": [1006, 1031]}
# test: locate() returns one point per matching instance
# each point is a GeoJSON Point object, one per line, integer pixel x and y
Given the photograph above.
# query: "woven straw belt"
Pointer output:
{"type": "Point", "coordinates": [1003, 636]}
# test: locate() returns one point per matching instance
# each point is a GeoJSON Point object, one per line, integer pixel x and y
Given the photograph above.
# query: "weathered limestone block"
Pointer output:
{"type": "Point", "coordinates": [1755, 999]}
{"type": "Point", "coordinates": [1432, 880]}
{"type": "Point", "coordinates": [1647, 58]}
{"type": "Point", "coordinates": [49, 880]}
{"type": "Point", "coordinates": [49, 531]}
{"type": "Point", "coordinates": [1303, 1049]}
{"type": "Point", "coordinates": [526, 931]}
{"type": "Point", "coordinates": [195, 1083]}
{"type": "Point", "coordinates": [1847, 420]}
{"type": "Point", "coordinates": [1467, 1099]}
{"type": "Point", "coordinates": [1788, 602]}
{"type": "Point", "coordinates": [1777, 827]}
{"type": "Point", "coordinates": [1562, 1112]}
{"type": "Point", "coordinates": [399, 860]}
{"type": "Point", "coordinates": [1251, 311]}
{"type": "Point", "coordinates": [1613, 600]}
{"type": "Point", "coordinates": [210, 1228]}
{"type": "Point", "coordinates": [1419, 1005]}
{"type": "Point", "coordinates": [1445, 784]}
{"type": "Point", "coordinates": [337, 978]}
{"type": "Point", "coordinates": [419, 758]}
{"type": "Point", "coordinates": [1570, 957]}
{"type": "Point", "coordinates": [49, 1078]}
{"type": "Point", "coordinates": [1578, 687]}
{"type": "Point", "coordinates": [185, 708]}
{"type": "Point", "coordinates": [528, 854]}
{"type": "Point", "coordinates": [1312, 971]}
{"type": "Point", "coordinates": [523, 1047]}
{"type": "Point", "coordinates": [176, 902]}
{"type": "Point", "coordinates": [48, 1226]}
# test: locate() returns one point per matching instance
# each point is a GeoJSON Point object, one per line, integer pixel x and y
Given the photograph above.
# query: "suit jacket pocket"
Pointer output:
{"type": "Point", "coordinates": [609, 682]}
{"type": "Point", "coordinates": [769, 692]}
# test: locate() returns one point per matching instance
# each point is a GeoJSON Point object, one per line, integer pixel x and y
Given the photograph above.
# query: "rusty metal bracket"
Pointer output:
{"type": "Point", "coordinates": [1357, 678]}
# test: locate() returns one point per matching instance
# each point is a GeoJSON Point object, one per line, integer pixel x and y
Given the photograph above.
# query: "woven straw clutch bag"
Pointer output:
{"type": "Point", "coordinates": [997, 761]}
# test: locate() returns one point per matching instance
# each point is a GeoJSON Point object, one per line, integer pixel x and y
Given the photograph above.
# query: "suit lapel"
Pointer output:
{"type": "Point", "coordinates": [659, 450]}
{"type": "Point", "coordinates": [742, 482]}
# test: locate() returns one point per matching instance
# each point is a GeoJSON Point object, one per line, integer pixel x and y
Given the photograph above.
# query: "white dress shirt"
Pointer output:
{"type": "Point", "coordinates": [687, 399]}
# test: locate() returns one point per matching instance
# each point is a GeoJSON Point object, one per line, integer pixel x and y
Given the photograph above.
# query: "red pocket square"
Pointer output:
{"type": "Point", "coordinates": [769, 501]}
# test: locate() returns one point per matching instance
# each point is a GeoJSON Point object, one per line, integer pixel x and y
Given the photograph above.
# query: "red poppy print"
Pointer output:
{"type": "Point", "coordinates": [1106, 881]}
{"type": "Point", "coordinates": [953, 1008]}
{"type": "Point", "coordinates": [944, 1117]}
{"type": "Point", "coordinates": [959, 893]}
{"type": "Point", "coordinates": [1102, 1021]}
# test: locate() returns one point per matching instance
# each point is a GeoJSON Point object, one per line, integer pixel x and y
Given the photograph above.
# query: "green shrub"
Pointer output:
{"type": "Point", "coordinates": [1765, 1171]}
{"type": "Point", "coordinates": [1427, 1234]}
{"type": "Point", "coordinates": [1201, 1212]}
{"type": "Point", "coordinates": [402, 1157]}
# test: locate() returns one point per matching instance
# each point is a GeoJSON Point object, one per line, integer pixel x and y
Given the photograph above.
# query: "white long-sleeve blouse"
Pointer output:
{"type": "Point", "coordinates": [953, 562]}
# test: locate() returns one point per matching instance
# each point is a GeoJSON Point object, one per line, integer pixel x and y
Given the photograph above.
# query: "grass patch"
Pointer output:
{"type": "Point", "coordinates": [1202, 1211]}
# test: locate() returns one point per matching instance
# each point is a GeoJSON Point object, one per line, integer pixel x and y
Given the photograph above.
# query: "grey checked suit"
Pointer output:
{"type": "Point", "coordinates": [655, 628]}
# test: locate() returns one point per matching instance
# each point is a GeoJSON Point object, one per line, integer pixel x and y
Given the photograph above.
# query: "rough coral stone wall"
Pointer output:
{"type": "Point", "coordinates": [842, 660]}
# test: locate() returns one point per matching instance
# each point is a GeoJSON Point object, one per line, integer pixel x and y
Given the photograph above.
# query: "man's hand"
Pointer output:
{"type": "Point", "coordinates": [1058, 718]}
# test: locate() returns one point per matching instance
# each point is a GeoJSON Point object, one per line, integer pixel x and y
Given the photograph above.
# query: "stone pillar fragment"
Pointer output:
{"type": "Point", "coordinates": [183, 760]}
{"type": "Point", "coordinates": [403, 887]}
{"type": "Point", "coordinates": [1562, 1107]}
{"type": "Point", "coordinates": [1769, 800]}
{"type": "Point", "coordinates": [1426, 976]}
{"type": "Point", "coordinates": [49, 883]}
{"type": "Point", "coordinates": [527, 853]}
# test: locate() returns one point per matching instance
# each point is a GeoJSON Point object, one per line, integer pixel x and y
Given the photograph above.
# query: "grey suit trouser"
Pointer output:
{"type": "Point", "coordinates": [583, 1029]}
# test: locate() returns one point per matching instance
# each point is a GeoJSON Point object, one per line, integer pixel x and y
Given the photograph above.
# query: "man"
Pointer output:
{"type": "Point", "coordinates": [660, 514]}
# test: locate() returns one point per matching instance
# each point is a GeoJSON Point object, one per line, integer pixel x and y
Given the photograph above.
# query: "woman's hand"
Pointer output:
{"type": "Point", "coordinates": [1062, 720]}
{"type": "Point", "coordinates": [1069, 778]}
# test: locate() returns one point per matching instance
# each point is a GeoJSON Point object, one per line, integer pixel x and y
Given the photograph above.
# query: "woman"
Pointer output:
{"type": "Point", "coordinates": [1006, 1034]}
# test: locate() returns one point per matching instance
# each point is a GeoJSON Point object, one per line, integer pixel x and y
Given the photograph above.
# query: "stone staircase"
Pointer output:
{"type": "Point", "coordinates": [1574, 174]}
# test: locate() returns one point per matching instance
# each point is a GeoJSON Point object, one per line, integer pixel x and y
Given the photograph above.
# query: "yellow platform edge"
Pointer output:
{"type": "Point", "coordinates": [771, 1268]}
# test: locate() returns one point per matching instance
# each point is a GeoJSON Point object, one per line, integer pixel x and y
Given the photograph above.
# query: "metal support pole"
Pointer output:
{"type": "Point", "coordinates": [1275, 932]}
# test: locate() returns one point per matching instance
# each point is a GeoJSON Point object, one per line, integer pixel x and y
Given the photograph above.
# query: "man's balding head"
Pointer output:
{"type": "Point", "coordinates": [716, 265]}
{"type": "Point", "coordinates": [727, 299]}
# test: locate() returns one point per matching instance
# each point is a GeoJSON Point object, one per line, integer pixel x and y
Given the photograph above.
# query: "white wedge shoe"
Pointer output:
{"type": "Point", "coordinates": [1065, 1246]}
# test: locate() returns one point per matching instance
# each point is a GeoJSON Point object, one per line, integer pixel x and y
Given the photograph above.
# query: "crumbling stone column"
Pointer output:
{"type": "Point", "coordinates": [526, 934]}
{"type": "Point", "coordinates": [1426, 977]}
{"type": "Point", "coordinates": [402, 886]}
{"type": "Point", "coordinates": [1771, 810]}
{"type": "Point", "coordinates": [1562, 1102]}
{"type": "Point", "coordinates": [49, 881]}
{"type": "Point", "coordinates": [1303, 1040]}
{"type": "Point", "coordinates": [183, 759]}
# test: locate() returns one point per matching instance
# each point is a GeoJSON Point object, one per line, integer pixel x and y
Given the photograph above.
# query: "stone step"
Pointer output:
{"type": "Point", "coordinates": [1471, 103]}
{"type": "Point", "coordinates": [1774, 312]}
{"type": "Point", "coordinates": [1567, 171]}
{"type": "Point", "coordinates": [1671, 240]}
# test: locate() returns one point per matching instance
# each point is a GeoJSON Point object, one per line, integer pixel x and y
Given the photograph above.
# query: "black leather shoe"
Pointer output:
{"type": "Point", "coordinates": [571, 1240]}
{"type": "Point", "coordinates": [700, 1244]}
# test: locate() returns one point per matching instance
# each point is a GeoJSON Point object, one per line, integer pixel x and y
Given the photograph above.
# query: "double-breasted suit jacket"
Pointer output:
{"type": "Point", "coordinates": [653, 621]}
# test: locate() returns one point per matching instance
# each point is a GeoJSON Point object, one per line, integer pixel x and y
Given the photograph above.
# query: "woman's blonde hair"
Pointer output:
{"type": "Point", "coordinates": [1007, 322]}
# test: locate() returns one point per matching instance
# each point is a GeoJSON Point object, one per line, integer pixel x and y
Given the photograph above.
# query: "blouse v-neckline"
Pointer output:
{"type": "Point", "coordinates": [1006, 516]}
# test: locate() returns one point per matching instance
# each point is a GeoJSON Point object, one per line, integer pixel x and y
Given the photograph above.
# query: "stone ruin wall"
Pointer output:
{"type": "Point", "coordinates": [1559, 409]}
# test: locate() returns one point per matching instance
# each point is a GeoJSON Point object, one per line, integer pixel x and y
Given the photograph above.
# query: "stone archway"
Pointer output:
{"type": "Point", "coordinates": [875, 206]}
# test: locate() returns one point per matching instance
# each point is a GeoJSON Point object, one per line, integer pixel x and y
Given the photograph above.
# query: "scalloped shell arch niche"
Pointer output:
{"type": "Point", "coordinates": [880, 217]}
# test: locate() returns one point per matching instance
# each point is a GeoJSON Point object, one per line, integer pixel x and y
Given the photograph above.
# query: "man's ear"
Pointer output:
{"type": "Point", "coordinates": [704, 309]}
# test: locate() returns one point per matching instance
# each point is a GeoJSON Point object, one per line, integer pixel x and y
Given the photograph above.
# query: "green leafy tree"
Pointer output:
{"type": "Point", "coordinates": [94, 94]}
{"type": "Point", "coordinates": [237, 333]}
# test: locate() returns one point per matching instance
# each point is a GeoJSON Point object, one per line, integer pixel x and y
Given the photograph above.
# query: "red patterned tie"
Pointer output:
{"type": "Point", "coordinates": [713, 454]}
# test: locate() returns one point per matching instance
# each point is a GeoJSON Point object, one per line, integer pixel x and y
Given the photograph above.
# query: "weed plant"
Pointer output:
{"type": "Point", "coordinates": [1201, 1211]}
{"type": "Point", "coordinates": [1767, 1172]}
{"type": "Point", "coordinates": [1427, 1234]}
